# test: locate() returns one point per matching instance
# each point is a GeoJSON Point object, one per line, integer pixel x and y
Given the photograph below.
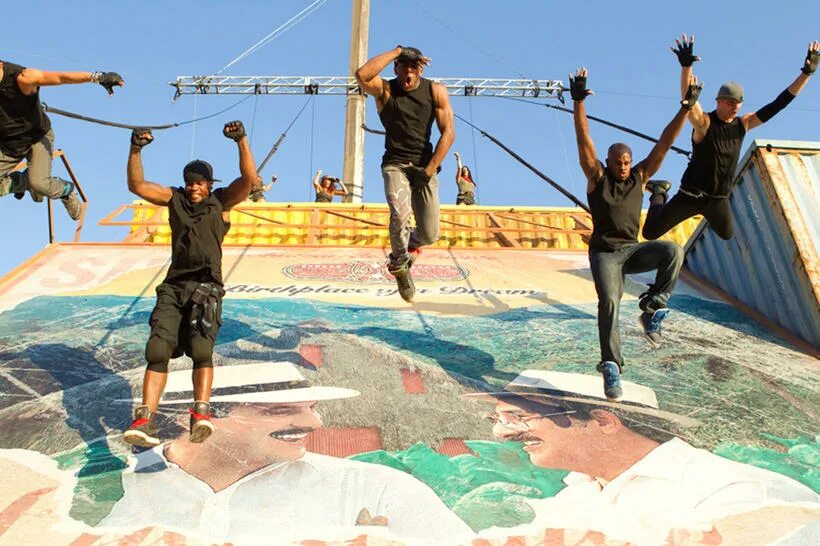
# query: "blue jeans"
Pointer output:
{"type": "Point", "coordinates": [608, 271]}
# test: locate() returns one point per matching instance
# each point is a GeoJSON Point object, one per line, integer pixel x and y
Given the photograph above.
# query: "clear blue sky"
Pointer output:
{"type": "Point", "coordinates": [625, 45]}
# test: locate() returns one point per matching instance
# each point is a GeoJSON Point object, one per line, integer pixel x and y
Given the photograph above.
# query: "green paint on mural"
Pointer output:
{"type": "Point", "coordinates": [800, 460]}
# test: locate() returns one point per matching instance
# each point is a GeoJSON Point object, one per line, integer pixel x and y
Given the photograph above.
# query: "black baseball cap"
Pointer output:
{"type": "Point", "coordinates": [198, 170]}
{"type": "Point", "coordinates": [409, 55]}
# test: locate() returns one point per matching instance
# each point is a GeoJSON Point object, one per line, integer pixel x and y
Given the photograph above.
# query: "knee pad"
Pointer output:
{"type": "Point", "coordinates": [157, 354]}
{"type": "Point", "coordinates": [202, 352]}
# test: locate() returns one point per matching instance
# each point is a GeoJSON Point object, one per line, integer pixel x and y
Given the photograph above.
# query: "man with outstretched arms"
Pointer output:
{"type": "Point", "coordinates": [615, 195]}
{"type": "Point", "coordinates": [407, 105]}
{"type": "Point", "coordinates": [188, 311]}
{"type": "Point", "coordinates": [717, 137]}
{"type": "Point", "coordinates": [25, 132]}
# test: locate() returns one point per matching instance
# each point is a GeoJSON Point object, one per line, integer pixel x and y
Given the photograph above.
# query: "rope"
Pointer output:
{"type": "Point", "coordinates": [282, 137]}
{"type": "Point", "coordinates": [73, 115]}
{"type": "Point", "coordinates": [604, 122]}
{"type": "Point", "coordinates": [475, 156]}
{"type": "Point", "coordinates": [521, 160]}
{"type": "Point", "coordinates": [281, 29]}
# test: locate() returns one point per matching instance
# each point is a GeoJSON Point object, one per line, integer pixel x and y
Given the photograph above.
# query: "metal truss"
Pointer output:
{"type": "Point", "coordinates": [344, 85]}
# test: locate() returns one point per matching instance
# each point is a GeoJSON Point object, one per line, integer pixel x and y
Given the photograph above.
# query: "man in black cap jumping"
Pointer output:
{"type": "Point", "coordinates": [188, 311]}
{"type": "Point", "coordinates": [717, 136]}
{"type": "Point", "coordinates": [408, 104]}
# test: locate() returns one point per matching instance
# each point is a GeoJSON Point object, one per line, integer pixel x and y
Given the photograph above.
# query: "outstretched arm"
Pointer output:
{"type": "Point", "coordinates": [316, 178]}
{"type": "Point", "coordinates": [31, 78]}
{"type": "Point", "coordinates": [446, 126]}
{"type": "Point", "coordinates": [239, 189]}
{"type": "Point", "coordinates": [684, 51]}
{"type": "Point", "coordinates": [649, 166]}
{"type": "Point", "coordinates": [586, 149]}
{"type": "Point", "coordinates": [152, 192]}
{"type": "Point", "coordinates": [756, 119]}
{"type": "Point", "coordinates": [458, 166]}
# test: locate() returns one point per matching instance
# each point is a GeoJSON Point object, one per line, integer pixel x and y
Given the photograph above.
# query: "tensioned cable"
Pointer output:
{"type": "Point", "coordinates": [59, 112]}
{"type": "Point", "coordinates": [276, 32]}
{"type": "Point", "coordinates": [282, 136]}
{"type": "Point", "coordinates": [603, 121]}
{"type": "Point", "coordinates": [521, 160]}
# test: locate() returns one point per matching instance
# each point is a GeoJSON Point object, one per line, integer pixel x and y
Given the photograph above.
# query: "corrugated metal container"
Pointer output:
{"type": "Point", "coordinates": [771, 264]}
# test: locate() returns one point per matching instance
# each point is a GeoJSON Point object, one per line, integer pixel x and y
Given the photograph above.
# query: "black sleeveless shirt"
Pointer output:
{"type": "Point", "coordinates": [714, 159]}
{"type": "Point", "coordinates": [22, 119]}
{"type": "Point", "coordinates": [408, 118]}
{"type": "Point", "coordinates": [197, 232]}
{"type": "Point", "coordinates": [616, 211]}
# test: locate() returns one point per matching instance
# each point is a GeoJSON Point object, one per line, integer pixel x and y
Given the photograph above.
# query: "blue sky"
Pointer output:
{"type": "Point", "coordinates": [625, 45]}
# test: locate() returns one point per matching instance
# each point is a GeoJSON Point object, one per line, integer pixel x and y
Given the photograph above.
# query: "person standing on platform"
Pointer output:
{"type": "Point", "coordinates": [325, 187]}
{"type": "Point", "coordinates": [466, 184]}
{"type": "Point", "coordinates": [408, 105]}
{"type": "Point", "coordinates": [188, 312]}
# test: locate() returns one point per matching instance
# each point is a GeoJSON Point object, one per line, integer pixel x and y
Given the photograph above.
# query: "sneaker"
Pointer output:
{"type": "Point", "coordinates": [143, 431]}
{"type": "Point", "coordinates": [403, 279]}
{"type": "Point", "coordinates": [72, 204]}
{"type": "Point", "coordinates": [651, 323]}
{"type": "Point", "coordinates": [658, 186]}
{"type": "Point", "coordinates": [612, 379]}
{"type": "Point", "coordinates": [201, 425]}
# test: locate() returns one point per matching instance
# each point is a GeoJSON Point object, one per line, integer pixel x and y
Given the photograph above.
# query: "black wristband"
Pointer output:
{"type": "Point", "coordinates": [770, 110]}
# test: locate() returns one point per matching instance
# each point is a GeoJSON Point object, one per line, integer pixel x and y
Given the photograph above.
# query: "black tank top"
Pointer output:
{"type": "Point", "coordinates": [196, 238]}
{"type": "Point", "coordinates": [714, 159]}
{"type": "Point", "coordinates": [323, 197]}
{"type": "Point", "coordinates": [616, 211]}
{"type": "Point", "coordinates": [22, 119]}
{"type": "Point", "coordinates": [408, 117]}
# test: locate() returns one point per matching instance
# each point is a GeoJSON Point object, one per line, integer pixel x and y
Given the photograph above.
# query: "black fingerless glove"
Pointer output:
{"type": "Point", "coordinates": [417, 177]}
{"type": "Point", "coordinates": [685, 55]}
{"type": "Point", "coordinates": [812, 60]}
{"type": "Point", "coordinates": [578, 88]}
{"type": "Point", "coordinates": [141, 137]}
{"type": "Point", "coordinates": [234, 130]}
{"type": "Point", "coordinates": [107, 79]}
{"type": "Point", "coordinates": [692, 93]}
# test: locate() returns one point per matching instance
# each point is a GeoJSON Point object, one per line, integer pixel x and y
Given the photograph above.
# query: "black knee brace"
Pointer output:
{"type": "Point", "coordinates": [202, 352]}
{"type": "Point", "coordinates": [157, 354]}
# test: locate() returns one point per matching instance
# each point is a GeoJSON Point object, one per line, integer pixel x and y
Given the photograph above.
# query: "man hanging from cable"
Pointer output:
{"type": "Point", "coordinates": [407, 105]}
{"type": "Point", "coordinates": [188, 311]}
{"type": "Point", "coordinates": [25, 132]}
{"type": "Point", "coordinates": [717, 137]}
{"type": "Point", "coordinates": [615, 194]}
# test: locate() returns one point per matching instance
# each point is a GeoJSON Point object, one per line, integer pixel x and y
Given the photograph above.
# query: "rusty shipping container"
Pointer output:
{"type": "Point", "coordinates": [771, 264]}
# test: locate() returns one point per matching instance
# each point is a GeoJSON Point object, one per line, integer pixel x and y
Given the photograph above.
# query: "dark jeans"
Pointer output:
{"type": "Point", "coordinates": [661, 218]}
{"type": "Point", "coordinates": [608, 271]}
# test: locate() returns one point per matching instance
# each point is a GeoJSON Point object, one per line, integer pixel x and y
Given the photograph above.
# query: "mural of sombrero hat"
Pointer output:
{"type": "Point", "coordinates": [584, 389]}
{"type": "Point", "coordinates": [262, 382]}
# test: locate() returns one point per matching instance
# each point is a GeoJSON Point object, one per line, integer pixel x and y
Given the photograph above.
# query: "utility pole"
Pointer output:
{"type": "Point", "coordinates": [356, 106]}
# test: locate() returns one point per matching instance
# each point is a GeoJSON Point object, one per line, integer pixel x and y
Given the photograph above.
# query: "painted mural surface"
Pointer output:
{"type": "Point", "coordinates": [344, 415]}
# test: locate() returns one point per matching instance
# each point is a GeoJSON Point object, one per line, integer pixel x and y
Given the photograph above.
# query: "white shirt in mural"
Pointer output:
{"type": "Point", "coordinates": [308, 498]}
{"type": "Point", "coordinates": [676, 486]}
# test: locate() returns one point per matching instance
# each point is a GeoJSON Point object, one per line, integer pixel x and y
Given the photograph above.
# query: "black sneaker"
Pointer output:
{"type": "Point", "coordinates": [143, 431]}
{"type": "Point", "coordinates": [658, 186]}
{"type": "Point", "coordinates": [201, 425]}
{"type": "Point", "coordinates": [612, 379]}
{"type": "Point", "coordinates": [651, 324]}
{"type": "Point", "coordinates": [404, 281]}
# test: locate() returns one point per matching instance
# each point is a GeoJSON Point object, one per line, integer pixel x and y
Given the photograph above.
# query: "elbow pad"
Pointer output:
{"type": "Point", "coordinates": [768, 112]}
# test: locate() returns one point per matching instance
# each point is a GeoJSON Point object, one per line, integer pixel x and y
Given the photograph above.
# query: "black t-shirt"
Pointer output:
{"type": "Point", "coordinates": [22, 119]}
{"type": "Point", "coordinates": [197, 232]}
{"type": "Point", "coordinates": [714, 159]}
{"type": "Point", "coordinates": [616, 211]}
{"type": "Point", "coordinates": [408, 118]}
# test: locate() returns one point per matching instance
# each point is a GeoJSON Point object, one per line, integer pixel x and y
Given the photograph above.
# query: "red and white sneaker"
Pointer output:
{"type": "Point", "coordinates": [143, 431]}
{"type": "Point", "coordinates": [201, 425]}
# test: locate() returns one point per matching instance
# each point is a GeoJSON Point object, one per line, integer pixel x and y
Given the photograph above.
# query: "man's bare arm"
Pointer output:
{"type": "Point", "coordinates": [239, 189]}
{"type": "Point", "coordinates": [586, 149]}
{"type": "Point", "coordinates": [368, 75]}
{"type": "Point", "coordinates": [446, 126]}
{"type": "Point", "coordinates": [152, 192]}
{"type": "Point", "coordinates": [32, 78]}
{"type": "Point", "coordinates": [684, 50]}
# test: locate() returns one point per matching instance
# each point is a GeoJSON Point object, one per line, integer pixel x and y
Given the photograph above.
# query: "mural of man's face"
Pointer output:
{"type": "Point", "coordinates": [280, 429]}
{"type": "Point", "coordinates": [548, 434]}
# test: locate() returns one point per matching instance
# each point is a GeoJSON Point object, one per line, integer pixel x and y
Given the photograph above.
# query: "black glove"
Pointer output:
{"type": "Point", "coordinates": [684, 52]}
{"type": "Point", "coordinates": [692, 94]}
{"type": "Point", "coordinates": [107, 80]}
{"type": "Point", "coordinates": [578, 88]}
{"type": "Point", "coordinates": [812, 60]}
{"type": "Point", "coordinates": [416, 175]}
{"type": "Point", "coordinates": [141, 137]}
{"type": "Point", "coordinates": [234, 130]}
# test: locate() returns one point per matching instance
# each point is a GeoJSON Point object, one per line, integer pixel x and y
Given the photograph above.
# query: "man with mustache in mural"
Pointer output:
{"type": "Point", "coordinates": [408, 104]}
{"type": "Point", "coordinates": [255, 478]}
{"type": "Point", "coordinates": [630, 477]}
